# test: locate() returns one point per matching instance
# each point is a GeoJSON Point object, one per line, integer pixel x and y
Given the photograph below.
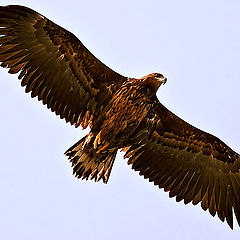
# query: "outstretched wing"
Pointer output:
{"type": "Point", "coordinates": [191, 164]}
{"type": "Point", "coordinates": [54, 65]}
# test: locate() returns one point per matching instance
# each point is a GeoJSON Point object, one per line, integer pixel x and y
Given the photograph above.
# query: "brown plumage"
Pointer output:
{"type": "Point", "coordinates": [123, 113]}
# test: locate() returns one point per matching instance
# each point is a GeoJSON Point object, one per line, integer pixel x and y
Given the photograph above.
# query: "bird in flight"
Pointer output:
{"type": "Point", "coordinates": [122, 113]}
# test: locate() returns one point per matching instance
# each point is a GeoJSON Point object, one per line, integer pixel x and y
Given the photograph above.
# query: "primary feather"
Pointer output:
{"type": "Point", "coordinates": [123, 113]}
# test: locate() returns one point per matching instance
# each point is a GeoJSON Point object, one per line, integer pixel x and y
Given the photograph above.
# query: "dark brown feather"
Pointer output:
{"type": "Point", "coordinates": [53, 64]}
{"type": "Point", "coordinates": [189, 163]}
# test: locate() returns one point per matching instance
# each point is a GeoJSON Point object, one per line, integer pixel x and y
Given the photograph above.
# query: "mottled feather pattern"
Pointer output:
{"type": "Point", "coordinates": [54, 65]}
{"type": "Point", "coordinates": [123, 113]}
{"type": "Point", "coordinates": [190, 164]}
{"type": "Point", "coordinates": [128, 109]}
{"type": "Point", "coordinates": [89, 165]}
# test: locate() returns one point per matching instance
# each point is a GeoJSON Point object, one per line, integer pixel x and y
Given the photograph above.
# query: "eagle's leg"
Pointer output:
{"type": "Point", "coordinates": [88, 162]}
{"type": "Point", "coordinates": [98, 144]}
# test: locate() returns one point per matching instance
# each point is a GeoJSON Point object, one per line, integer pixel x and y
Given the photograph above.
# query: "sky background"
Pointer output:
{"type": "Point", "coordinates": [196, 45]}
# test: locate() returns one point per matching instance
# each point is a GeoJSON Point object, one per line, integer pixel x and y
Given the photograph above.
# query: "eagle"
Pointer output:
{"type": "Point", "coordinates": [122, 113]}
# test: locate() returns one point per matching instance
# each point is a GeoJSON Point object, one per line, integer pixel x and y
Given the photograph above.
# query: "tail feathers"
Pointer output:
{"type": "Point", "coordinates": [87, 164]}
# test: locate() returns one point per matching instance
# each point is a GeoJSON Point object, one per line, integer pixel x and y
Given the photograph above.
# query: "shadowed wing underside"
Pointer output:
{"type": "Point", "coordinates": [54, 65]}
{"type": "Point", "coordinates": [191, 164]}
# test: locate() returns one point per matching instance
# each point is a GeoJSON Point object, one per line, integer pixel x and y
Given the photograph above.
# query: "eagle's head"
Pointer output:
{"type": "Point", "coordinates": [154, 81]}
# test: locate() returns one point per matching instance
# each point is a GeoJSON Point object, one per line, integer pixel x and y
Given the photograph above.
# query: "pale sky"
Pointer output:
{"type": "Point", "coordinates": [196, 45]}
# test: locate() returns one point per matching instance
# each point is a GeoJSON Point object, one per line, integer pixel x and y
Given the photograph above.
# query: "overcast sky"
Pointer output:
{"type": "Point", "coordinates": [196, 45]}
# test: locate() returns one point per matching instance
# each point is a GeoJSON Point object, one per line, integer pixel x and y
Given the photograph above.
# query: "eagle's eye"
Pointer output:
{"type": "Point", "coordinates": [158, 75]}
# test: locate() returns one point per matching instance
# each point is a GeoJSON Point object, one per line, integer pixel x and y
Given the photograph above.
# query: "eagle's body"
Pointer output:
{"type": "Point", "coordinates": [122, 113]}
{"type": "Point", "coordinates": [125, 112]}
{"type": "Point", "coordinates": [123, 119]}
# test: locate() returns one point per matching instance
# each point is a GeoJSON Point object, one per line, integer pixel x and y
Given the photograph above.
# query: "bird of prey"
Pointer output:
{"type": "Point", "coordinates": [122, 113]}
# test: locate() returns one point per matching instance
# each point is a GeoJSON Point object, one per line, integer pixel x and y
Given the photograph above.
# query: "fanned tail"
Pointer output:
{"type": "Point", "coordinates": [87, 164]}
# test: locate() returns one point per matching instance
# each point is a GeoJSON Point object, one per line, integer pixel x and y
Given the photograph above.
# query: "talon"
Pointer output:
{"type": "Point", "coordinates": [102, 148]}
{"type": "Point", "coordinates": [97, 140]}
